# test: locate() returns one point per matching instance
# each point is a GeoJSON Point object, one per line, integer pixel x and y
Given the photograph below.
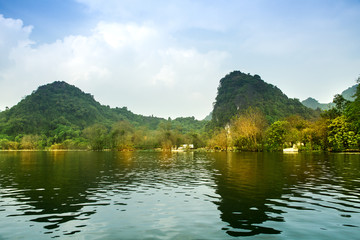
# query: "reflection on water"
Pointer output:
{"type": "Point", "coordinates": [111, 195]}
{"type": "Point", "coordinates": [244, 183]}
{"type": "Point", "coordinates": [298, 196]}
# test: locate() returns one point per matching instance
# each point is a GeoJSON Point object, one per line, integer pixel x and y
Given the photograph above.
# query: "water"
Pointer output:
{"type": "Point", "coordinates": [112, 195]}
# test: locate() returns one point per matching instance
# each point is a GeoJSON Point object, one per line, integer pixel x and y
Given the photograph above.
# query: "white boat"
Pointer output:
{"type": "Point", "coordinates": [290, 150]}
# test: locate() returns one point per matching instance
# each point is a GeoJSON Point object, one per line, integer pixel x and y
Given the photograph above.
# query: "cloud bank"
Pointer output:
{"type": "Point", "coordinates": [165, 58]}
{"type": "Point", "coordinates": [120, 64]}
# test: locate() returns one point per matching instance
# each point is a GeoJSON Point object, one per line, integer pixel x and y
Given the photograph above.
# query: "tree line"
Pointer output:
{"type": "Point", "coordinates": [336, 129]}
{"type": "Point", "coordinates": [121, 136]}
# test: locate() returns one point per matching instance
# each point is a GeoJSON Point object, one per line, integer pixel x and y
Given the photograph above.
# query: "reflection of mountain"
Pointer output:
{"type": "Point", "coordinates": [63, 192]}
{"type": "Point", "coordinates": [244, 187]}
{"type": "Point", "coordinates": [54, 187]}
{"type": "Point", "coordinates": [164, 195]}
{"type": "Point", "coordinates": [257, 194]}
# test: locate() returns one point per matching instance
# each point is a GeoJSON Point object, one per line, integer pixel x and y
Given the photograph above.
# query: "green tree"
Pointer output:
{"type": "Point", "coordinates": [4, 144]}
{"type": "Point", "coordinates": [220, 140]}
{"type": "Point", "coordinates": [340, 107]}
{"type": "Point", "coordinates": [196, 139]}
{"type": "Point", "coordinates": [168, 137]}
{"type": "Point", "coordinates": [276, 135]}
{"type": "Point", "coordinates": [341, 135]}
{"type": "Point", "coordinates": [352, 111]}
{"type": "Point", "coordinates": [315, 135]}
{"type": "Point", "coordinates": [64, 132]}
{"type": "Point", "coordinates": [122, 136]}
{"type": "Point", "coordinates": [340, 102]}
{"type": "Point", "coordinates": [30, 142]}
{"type": "Point", "coordinates": [97, 136]}
{"type": "Point", "coordinates": [247, 130]}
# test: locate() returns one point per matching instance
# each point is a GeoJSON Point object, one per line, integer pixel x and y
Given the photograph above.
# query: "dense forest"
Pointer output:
{"type": "Point", "coordinates": [248, 115]}
{"type": "Point", "coordinates": [61, 116]}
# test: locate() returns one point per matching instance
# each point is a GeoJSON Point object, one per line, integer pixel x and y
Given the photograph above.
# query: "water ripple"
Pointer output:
{"type": "Point", "coordinates": [164, 196]}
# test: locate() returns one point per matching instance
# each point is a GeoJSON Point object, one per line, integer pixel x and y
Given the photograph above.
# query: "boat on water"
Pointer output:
{"type": "Point", "coordinates": [291, 150]}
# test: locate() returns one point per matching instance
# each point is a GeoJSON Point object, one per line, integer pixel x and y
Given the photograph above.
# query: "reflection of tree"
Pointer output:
{"type": "Point", "coordinates": [244, 186]}
{"type": "Point", "coordinates": [54, 187]}
{"type": "Point", "coordinates": [249, 185]}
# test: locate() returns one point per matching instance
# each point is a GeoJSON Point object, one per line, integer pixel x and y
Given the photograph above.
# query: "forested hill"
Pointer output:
{"type": "Point", "coordinates": [312, 103]}
{"type": "Point", "coordinates": [59, 103]}
{"type": "Point", "coordinates": [239, 91]}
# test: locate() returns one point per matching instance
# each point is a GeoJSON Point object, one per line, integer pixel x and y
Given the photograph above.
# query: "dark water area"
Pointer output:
{"type": "Point", "coordinates": [141, 195]}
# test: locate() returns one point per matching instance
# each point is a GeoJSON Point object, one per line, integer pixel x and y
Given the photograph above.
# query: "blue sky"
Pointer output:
{"type": "Point", "coordinates": [166, 57]}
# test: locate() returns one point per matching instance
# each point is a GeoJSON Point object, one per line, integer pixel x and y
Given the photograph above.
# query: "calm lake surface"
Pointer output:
{"type": "Point", "coordinates": [140, 195]}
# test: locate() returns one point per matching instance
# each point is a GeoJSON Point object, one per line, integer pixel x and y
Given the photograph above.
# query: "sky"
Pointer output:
{"type": "Point", "coordinates": [166, 58]}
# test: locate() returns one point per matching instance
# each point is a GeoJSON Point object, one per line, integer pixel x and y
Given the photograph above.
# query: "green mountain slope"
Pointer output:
{"type": "Point", "coordinates": [239, 91]}
{"type": "Point", "coordinates": [349, 93]}
{"type": "Point", "coordinates": [59, 103]}
{"type": "Point", "coordinates": [314, 104]}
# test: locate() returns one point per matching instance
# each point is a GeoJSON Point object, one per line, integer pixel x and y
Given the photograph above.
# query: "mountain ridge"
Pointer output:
{"type": "Point", "coordinates": [312, 103]}
{"type": "Point", "coordinates": [61, 103]}
{"type": "Point", "coordinates": [238, 91]}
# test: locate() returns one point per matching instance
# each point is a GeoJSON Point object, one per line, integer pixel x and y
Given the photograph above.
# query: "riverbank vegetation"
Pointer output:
{"type": "Point", "coordinates": [121, 136]}
{"type": "Point", "coordinates": [336, 129]}
{"type": "Point", "coordinates": [249, 115]}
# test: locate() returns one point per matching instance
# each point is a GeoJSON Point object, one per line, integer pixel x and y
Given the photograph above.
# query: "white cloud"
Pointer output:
{"type": "Point", "coordinates": [166, 75]}
{"type": "Point", "coordinates": [12, 35]}
{"type": "Point", "coordinates": [120, 64]}
{"type": "Point", "coordinates": [120, 35]}
{"type": "Point", "coordinates": [166, 57]}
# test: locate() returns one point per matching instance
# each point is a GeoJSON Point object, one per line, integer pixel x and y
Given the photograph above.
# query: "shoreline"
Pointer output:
{"type": "Point", "coordinates": [350, 151]}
